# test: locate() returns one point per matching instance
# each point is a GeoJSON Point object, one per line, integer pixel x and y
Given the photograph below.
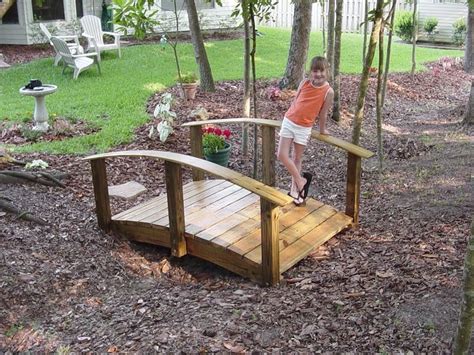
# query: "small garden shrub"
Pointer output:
{"type": "Point", "coordinates": [460, 30]}
{"type": "Point", "coordinates": [430, 26]}
{"type": "Point", "coordinates": [404, 25]}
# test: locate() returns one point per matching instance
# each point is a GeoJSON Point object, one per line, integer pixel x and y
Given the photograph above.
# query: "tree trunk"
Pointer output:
{"type": "Point", "coordinates": [298, 54]}
{"type": "Point", "coordinates": [469, 118]}
{"type": "Point", "coordinates": [414, 35]}
{"type": "Point", "coordinates": [378, 100]}
{"type": "Point", "coordinates": [366, 28]}
{"type": "Point", "coordinates": [364, 81]}
{"type": "Point", "coordinates": [331, 18]}
{"type": "Point", "coordinates": [464, 331]}
{"type": "Point", "coordinates": [337, 60]}
{"type": "Point", "coordinates": [323, 11]}
{"type": "Point", "coordinates": [469, 53]}
{"type": "Point", "coordinates": [389, 50]}
{"type": "Point", "coordinates": [246, 100]}
{"type": "Point", "coordinates": [254, 91]}
{"type": "Point", "coordinates": [205, 74]}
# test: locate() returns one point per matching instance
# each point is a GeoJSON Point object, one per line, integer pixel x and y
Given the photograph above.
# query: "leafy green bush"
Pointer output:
{"type": "Point", "coordinates": [404, 25]}
{"type": "Point", "coordinates": [188, 78]}
{"type": "Point", "coordinates": [460, 30]}
{"type": "Point", "coordinates": [430, 25]}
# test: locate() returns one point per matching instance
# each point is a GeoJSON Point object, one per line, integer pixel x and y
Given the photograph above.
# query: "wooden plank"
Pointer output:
{"type": "Point", "coordinates": [221, 227]}
{"type": "Point", "coordinates": [238, 232]}
{"type": "Point", "coordinates": [144, 233]}
{"type": "Point", "coordinates": [224, 258]}
{"type": "Point", "coordinates": [189, 190]}
{"type": "Point", "coordinates": [154, 214]}
{"type": "Point", "coordinates": [293, 215]}
{"type": "Point", "coordinates": [101, 193]}
{"type": "Point", "coordinates": [205, 220]}
{"type": "Point", "coordinates": [205, 206]}
{"type": "Point", "coordinates": [247, 243]}
{"type": "Point", "coordinates": [354, 171]}
{"type": "Point", "coordinates": [268, 155]}
{"type": "Point", "coordinates": [270, 248]}
{"type": "Point", "coordinates": [304, 225]}
{"type": "Point", "coordinates": [196, 150]}
{"type": "Point", "coordinates": [316, 237]}
{"type": "Point", "coordinates": [267, 192]}
{"type": "Point", "coordinates": [174, 192]}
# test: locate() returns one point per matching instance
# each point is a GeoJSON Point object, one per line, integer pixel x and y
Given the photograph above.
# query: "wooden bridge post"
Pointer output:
{"type": "Point", "coordinates": [174, 193]}
{"type": "Point", "coordinates": [268, 155]}
{"type": "Point", "coordinates": [101, 193]}
{"type": "Point", "coordinates": [196, 150]}
{"type": "Point", "coordinates": [269, 214]}
{"type": "Point", "coordinates": [354, 171]}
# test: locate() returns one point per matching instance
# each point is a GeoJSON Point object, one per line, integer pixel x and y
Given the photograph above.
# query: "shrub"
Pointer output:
{"type": "Point", "coordinates": [460, 30]}
{"type": "Point", "coordinates": [430, 25]}
{"type": "Point", "coordinates": [188, 78]}
{"type": "Point", "coordinates": [404, 25]}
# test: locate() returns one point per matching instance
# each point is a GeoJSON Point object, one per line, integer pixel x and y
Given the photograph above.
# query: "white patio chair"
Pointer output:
{"type": "Point", "coordinates": [72, 42]}
{"type": "Point", "coordinates": [79, 62]}
{"type": "Point", "coordinates": [93, 30]}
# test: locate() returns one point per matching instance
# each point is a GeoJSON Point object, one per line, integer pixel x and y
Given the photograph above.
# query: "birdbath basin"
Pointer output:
{"type": "Point", "coordinates": [40, 117]}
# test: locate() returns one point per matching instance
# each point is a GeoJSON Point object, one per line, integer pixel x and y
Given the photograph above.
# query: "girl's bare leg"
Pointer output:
{"type": "Point", "coordinates": [284, 156]}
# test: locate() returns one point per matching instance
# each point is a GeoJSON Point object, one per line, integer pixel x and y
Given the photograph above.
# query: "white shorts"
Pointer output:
{"type": "Point", "coordinates": [299, 134]}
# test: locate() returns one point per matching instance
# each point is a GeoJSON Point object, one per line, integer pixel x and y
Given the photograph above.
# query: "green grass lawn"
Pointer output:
{"type": "Point", "coordinates": [115, 101]}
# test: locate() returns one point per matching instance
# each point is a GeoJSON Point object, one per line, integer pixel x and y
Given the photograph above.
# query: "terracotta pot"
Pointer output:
{"type": "Point", "coordinates": [189, 90]}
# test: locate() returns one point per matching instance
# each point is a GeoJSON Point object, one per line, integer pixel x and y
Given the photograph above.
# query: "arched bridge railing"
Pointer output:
{"type": "Point", "coordinates": [355, 154]}
{"type": "Point", "coordinates": [270, 201]}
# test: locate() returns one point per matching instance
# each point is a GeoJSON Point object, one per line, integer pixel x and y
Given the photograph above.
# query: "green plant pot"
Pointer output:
{"type": "Point", "coordinates": [221, 157]}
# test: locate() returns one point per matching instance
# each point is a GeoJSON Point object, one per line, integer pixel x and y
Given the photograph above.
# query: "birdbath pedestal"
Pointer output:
{"type": "Point", "coordinates": [40, 117]}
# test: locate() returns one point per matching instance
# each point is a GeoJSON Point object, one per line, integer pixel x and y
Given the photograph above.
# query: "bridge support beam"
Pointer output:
{"type": "Point", "coordinates": [101, 193]}
{"type": "Point", "coordinates": [270, 243]}
{"type": "Point", "coordinates": [174, 194]}
{"type": "Point", "coordinates": [354, 172]}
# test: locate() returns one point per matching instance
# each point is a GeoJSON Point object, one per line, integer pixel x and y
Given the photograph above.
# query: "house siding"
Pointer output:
{"type": "Point", "coordinates": [446, 13]}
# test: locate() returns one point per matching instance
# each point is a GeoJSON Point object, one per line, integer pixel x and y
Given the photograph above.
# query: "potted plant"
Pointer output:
{"type": "Point", "coordinates": [215, 146]}
{"type": "Point", "coordinates": [188, 82]}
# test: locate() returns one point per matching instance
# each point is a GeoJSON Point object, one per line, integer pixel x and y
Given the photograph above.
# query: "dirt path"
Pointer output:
{"type": "Point", "coordinates": [391, 285]}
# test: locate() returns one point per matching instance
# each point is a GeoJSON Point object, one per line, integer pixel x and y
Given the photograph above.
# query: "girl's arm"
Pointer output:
{"type": "Point", "coordinates": [323, 114]}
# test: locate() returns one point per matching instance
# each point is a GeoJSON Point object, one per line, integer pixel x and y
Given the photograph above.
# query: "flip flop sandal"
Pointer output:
{"type": "Point", "coordinates": [305, 189]}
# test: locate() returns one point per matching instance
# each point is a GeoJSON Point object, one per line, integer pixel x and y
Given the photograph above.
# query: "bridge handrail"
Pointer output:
{"type": "Point", "coordinates": [266, 192]}
{"type": "Point", "coordinates": [337, 142]}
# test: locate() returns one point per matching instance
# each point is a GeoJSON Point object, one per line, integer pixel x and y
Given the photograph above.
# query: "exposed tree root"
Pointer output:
{"type": "Point", "coordinates": [21, 177]}
{"type": "Point", "coordinates": [27, 216]}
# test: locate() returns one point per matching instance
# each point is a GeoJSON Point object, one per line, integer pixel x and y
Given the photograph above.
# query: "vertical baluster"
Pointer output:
{"type": "Point", "coordinates": [354, 170]}
{"type": "Point", "coordinates": [268, 155]}
{"type": "Point", "coordinates": [101, 193]}
{"type": "Point", "coordinates": [269, 214]}
{"type": "Point", "coordinates": [196, 150]}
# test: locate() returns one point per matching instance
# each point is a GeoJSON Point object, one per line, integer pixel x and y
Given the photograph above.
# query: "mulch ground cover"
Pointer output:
{"type": "Point", "coordinates": [392, 284]}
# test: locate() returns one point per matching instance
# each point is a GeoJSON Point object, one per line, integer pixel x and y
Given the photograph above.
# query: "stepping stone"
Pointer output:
{"type": "Point", "coordinates": [127, 191]}
{"type": "Point", "coordinates": [2, 63]}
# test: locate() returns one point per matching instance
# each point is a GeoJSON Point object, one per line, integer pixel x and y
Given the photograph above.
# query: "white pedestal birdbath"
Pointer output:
{"type": "Point", "coordinates": [40, 117]}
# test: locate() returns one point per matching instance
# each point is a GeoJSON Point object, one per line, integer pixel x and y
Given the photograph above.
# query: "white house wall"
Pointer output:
{"type": "Point", "coordinates": [447, 14]}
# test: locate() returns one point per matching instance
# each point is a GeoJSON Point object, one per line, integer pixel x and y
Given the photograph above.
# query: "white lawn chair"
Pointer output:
{"type": "Point", "coordinates": [72, 42]}
{"type": "Point", "coordinates": [78, 62]}
{"type": "Point", "coordinates": [93, 30]}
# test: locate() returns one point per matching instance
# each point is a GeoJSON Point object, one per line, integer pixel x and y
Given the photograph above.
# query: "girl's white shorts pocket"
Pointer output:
{"type": "Point", "coordinates": [299, 133]}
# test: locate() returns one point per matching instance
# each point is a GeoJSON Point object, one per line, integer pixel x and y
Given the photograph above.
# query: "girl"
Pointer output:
{"type": "Point", "coordinates": [313, 100]}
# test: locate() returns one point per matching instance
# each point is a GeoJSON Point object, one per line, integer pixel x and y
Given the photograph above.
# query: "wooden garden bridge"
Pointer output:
{"type": "Point", "coordinates": [246, 226]}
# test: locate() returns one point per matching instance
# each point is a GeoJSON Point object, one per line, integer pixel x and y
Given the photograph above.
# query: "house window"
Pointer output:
{"type": "Point", "coordinates": [79, 9]}
{"type": "Point", "coordinates": [167, 5]}
{"type": "Point", "coordinates": [11, 16]}
{"type": "Point", "coordinates": [45, 10]}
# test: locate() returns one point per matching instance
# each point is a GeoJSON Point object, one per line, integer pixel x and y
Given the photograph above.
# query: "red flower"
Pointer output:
{"type": "Point", "coordinates": [204, 130]}
{"type": "Point", "coordinates": [218, 131]}
{"type": "Point", "coordinates": [210, 130]}
{"type": "Point", "coordinates": [226, 133]}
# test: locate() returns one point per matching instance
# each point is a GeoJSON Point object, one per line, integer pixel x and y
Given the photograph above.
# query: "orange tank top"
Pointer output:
{"type": "Point", "coordinates": [306, 107]}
